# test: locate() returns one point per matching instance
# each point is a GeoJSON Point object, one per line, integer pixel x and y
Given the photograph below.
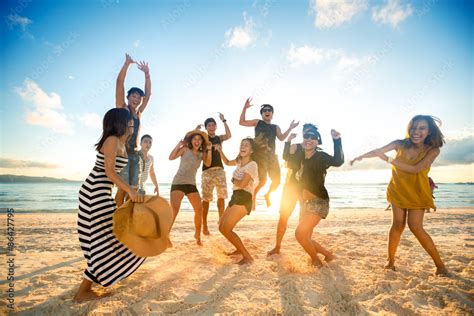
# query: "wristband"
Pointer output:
{"type": "Point", "coordinates": [224, 120]}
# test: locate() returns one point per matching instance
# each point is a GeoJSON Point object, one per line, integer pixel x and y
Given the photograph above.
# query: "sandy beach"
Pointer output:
{"type": "Point", "coordinates": [188, 279]}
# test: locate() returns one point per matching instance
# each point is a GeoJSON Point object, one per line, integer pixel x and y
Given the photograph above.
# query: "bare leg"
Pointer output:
{"type": "Point", "coordinates": [175, 198]}
{"type": "Point", "coordinates": [281, 229]}
{"type": "Point", "coordinates": [328, 256]}
{"type": "Point", "coordinates": [260, 185]}
{"type": "Point", "coordinates": [415, 223]}
{"type": "Point", "coordinates": [220, 207]}
{"type": "Point", "coordinates": [288, 203]}
{"type": "Point", "coordinates": [195, 201]}
{"type": "Point", "coordinates": [231, 217]}
{"type": "Point", "coordinates": [85, 293]}
{"type": "Point", "coordinates": [273, 186]}
{"type": "Point", "coordinates": [205, 211]}
{"type": "Point", "coordinates": [398, 225]}
{"type": "Point", "coordinates": [303, 235]}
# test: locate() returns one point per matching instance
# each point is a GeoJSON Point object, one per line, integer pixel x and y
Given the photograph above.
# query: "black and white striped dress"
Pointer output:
{"type": "Point", "coordinates": [108, 260]}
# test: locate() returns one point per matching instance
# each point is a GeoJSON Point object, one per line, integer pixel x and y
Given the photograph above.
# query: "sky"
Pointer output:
{"type": "Point", "coordinates": [362, 67]}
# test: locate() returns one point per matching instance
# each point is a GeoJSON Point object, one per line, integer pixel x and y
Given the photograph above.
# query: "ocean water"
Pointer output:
{"type": "Point", "coordinates": [63, 197]}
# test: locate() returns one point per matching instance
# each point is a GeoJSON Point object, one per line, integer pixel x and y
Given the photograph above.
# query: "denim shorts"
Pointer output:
{"type": "Point", "coordinates": [130, 172]}
{"type": "Point", "coordinates": [316, 206]}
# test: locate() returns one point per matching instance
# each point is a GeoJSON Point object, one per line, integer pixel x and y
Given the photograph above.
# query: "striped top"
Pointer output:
{"type": "Point", "coordinates": [145, 167]}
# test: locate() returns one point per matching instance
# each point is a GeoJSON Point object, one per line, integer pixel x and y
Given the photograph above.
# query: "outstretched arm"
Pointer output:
{"type": "Point", "coordinates": [338, 159]}
{"type": "Point", "coordinates": [243, 121]}
{"type": "Point", "coordinates": [376, 152]}
{"type": "Point", "coordinates": [285, 134]}
{"type": "Point", "coordinates": [153, 179]}
{"type": "Point", "coordinates": [119, 85]}
{"type": "Point", "coordinates": [223, 157]}
{"type": "Point", "coordinates": [143, 66]}
{"type": "Point", "coordinates": [178, 150]}
{"type": "Point", "coordinates": [289, 148]}
{"type": "Point", "coordinates": [227, 134]}
{"type": "Point", "coordinates": [422, 165]}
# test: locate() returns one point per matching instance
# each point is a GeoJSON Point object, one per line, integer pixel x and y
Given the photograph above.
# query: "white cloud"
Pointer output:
{"type": "Point", "coordinates": [22, 21]}
{"type": "Point", "coordinates": [92, 120]}
{"type": "Point", "coordinates": [47, 110]}
{"type": "Point", "coordinates": [71, 77]}
{"type": "Point", "coordinates": [305, 55]}
{"type": "Point", "coordinates": [332, 13]}
{"type": "Point", "coordinates": [392, 13]}
{"type": "Point", "coordinates": [241, 36]}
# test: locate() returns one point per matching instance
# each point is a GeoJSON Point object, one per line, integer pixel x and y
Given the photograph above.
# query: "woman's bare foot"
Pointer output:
{"type": "Point", "coordinates": [205, 231]}
{"type": "Point", "coordinates": [442, 271]}
{"type": "Point", "coordinates": [198, 239]}
{"type": "Point", "coordinates": [170, 244]}
{"type": "Point", "coordinates": [390, 265]}
{"type": "Point", "coordinates": [330, 258]}
{"type": "Point", "coordinates": [88, 296]}
{"type": "Point", "coordinates": [245, 261]}
{"type": "Point", "coordinates": [317, 263]}
{"type": "Point", "coordinates": [233, 253]}
{"type": "Point", "coordinates": [274, 251]}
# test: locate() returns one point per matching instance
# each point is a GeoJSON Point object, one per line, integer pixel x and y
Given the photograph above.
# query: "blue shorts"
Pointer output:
{"type": "Point", "coordinates": [130, 172]}
{"type": "Point", "coordinates": [316, 206]}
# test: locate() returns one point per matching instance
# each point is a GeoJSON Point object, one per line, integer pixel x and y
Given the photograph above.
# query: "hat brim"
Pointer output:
{"type": "Point", "coordinates": [140, 246]}
{"type": "Point", "coordinates": [198, 132]}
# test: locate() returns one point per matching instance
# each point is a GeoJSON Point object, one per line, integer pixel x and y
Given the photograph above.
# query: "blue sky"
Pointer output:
{"type": "Point", "coordinates": [362, 67]}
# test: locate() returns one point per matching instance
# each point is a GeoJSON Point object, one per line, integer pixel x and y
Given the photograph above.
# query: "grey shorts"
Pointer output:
{"type": "Point", "coordinates": [316, 206]}
{"type": "Point", "coordinates": [130, 172]}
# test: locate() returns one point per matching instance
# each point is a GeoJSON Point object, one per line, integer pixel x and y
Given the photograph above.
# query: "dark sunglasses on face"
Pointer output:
{"type": "Point", "coordinates": [310, 136]}
{"type": "Point", "coordinates": [266, 110]}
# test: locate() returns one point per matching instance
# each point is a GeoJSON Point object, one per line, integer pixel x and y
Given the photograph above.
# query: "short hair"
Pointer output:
{"type": "Point", "coordinates": [145, 136]}
{"type": "Point", "coordinates": [209, 120]}
{"type": "Point", "coordinates": [135, 90]}
{"type": "Point", "coordinates": [265, 106]}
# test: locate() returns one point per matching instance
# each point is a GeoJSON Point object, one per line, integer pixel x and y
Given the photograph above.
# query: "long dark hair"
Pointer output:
{"type": "Point", "coordinates": [434, 139]}
{"type": "Point", "coordinates": [189, 141]}
{"type": "Point", "coordinates": [115, 123]}
{"type": "Point", "coordinates": [254, 149]}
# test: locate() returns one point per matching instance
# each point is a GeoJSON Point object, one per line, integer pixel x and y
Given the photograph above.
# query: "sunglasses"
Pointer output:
{"type": "Point", "coordinates": [310, 136]}
{"type": "Point", "coordinates": [266, 110]}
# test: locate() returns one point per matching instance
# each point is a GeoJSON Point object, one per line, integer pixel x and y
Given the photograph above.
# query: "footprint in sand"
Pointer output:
{"type": "Point", "coordinates": [195, 298]}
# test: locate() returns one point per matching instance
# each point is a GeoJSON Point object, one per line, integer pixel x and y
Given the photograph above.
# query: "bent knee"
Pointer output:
{"type": "Point", "coordinates": [399, 227]}
{"type": "Point", "coordinates": [415, 228]}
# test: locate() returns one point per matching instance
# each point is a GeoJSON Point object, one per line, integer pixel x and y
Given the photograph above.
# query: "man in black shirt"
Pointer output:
{"type": "Point", "coordinates": [214, 175]}
{"type": "Point", "coordinates": [265, 135]}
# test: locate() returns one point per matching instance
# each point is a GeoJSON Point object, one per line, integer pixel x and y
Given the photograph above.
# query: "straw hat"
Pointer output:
{"type": "Point", "coordinates": [144, 227]}
{"type": "Point", "coordinates": [198, 132]}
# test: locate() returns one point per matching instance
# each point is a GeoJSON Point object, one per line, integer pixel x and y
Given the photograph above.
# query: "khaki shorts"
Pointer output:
{"type": "Point", "coordinates": [316, 206]}
{"type": "Point", "coordinates": [213, 177]}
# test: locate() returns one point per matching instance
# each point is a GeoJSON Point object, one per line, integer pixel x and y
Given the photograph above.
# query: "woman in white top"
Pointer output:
{"type": "Point", "coordinates": [245, 179]}
{"type": "Point", "coordinates": [146, 165]}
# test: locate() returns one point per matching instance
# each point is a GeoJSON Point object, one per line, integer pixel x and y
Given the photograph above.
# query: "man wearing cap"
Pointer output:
{"type": "Point", "coordinates": [265, 135]}
{"type": "Point", "coordinates": [214, 175]}
{"type": "Point", "coordinates": [136, 103]}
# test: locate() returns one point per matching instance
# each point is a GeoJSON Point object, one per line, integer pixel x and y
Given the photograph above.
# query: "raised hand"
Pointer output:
{"type": "Point", "coordinates": [335, 134]}
{"type": "Point", "coordinates": [128, 59]}
{"type": "Point", "coordinates": [221, 116]}
{"type": "Point", "coordinates": [247, 103]}
{"type": "Point", "coordinates": [354, 160]}
{"type": "Point", "coordinates": [291, 137]}
{"type": "Point", "coordinates": [294, 124]}
{"type": "Point", "coordinates": [143, 66]}
{"type": "Point", "coordinates": [199, 126]}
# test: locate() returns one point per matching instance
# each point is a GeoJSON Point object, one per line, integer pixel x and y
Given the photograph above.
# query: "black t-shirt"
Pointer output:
{"type": "Point", "coordinates": [314, 169]}
{"type": "Point", "coordinates": [216, 157]}
{"type": "Point", "coordinates": [293, 161]}
{"type": "Point", "coordinates": [265, 135]}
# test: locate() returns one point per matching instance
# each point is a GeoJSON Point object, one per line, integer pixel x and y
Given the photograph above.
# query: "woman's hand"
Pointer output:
{"type": "Point", "coordinates": [335, 134]}
{"type": "Point", "coordinates": [143, 66]}
{"type": "Point", "coordinates": [247, 103]}
{"type": "Point", "coordinates": [136, 197]}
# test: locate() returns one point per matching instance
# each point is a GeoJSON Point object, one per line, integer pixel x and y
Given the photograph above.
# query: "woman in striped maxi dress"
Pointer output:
{"type": "Point", "coordinates": [108, 260]}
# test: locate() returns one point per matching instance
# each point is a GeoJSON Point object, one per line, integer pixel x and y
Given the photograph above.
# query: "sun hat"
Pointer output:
{"type": "Point", "coordinates": [197, 132]}
{"type": "Point", "coordinates": [144, 227]}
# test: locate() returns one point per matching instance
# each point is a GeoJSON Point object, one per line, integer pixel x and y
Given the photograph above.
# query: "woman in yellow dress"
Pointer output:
{"type": "Point", "coordinates": [409, 190]}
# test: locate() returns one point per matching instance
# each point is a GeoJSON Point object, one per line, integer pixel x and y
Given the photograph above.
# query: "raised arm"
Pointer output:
{"type": "Point", "coordinates": [376, 152]}
{"type": "Point", "coordinates": [289, 148]}
{"type": "Point", "coordinates": [119, 85]}
{"type": "Point", "coordinates": [178, 150]}
{"type": "Point", "coordinates": [243, 121]}
{"type": "Point", "coordinates": [143, 66]}
{"type": "Point", "coordinates": [153, 179]}
{"type": "Point", "coordinates": [422, 165]}
{"type": "Point", "coordinates": [338, 159]}
{"type": "Point", "coordinates": [109, 149]}
{"type": "Point", "coordinates": [207, 156]}
{"type": "Point", "coordinates": [227, 134]}
{"type": "Point", "coordinates": [285, 134]}
{"type": "Point", "coordinates": [223, 156]}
